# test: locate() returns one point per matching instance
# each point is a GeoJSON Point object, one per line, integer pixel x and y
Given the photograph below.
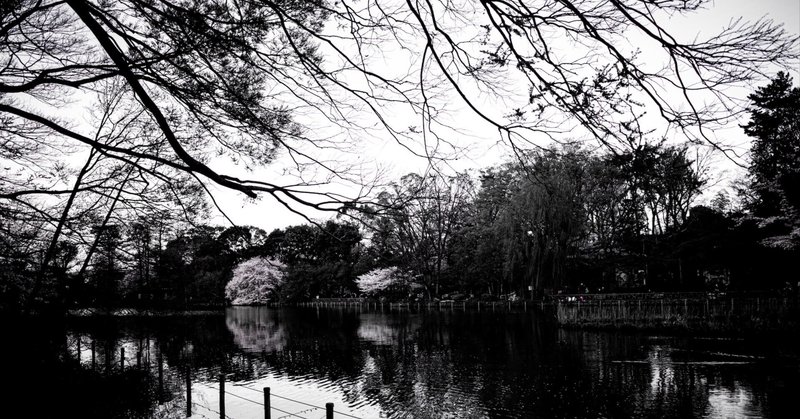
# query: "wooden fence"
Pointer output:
{"type": "Point", "coordinates": [730, 313]}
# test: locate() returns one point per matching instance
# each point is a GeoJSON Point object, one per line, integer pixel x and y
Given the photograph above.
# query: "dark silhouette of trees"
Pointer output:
{"type": "Point", "coordinates": [423, 216]}
{"type": "Point", "coordinates": [320, 260]}
{"type": "Point", "coordinates": [775, 154]}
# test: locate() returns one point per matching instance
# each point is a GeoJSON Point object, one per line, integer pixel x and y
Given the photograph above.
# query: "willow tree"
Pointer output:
{"type": "Point", "coordinates": [545, 220]}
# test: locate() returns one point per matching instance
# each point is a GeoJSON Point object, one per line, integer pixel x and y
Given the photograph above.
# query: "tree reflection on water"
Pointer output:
{"type": "Point", "coordinates": [399, 364]}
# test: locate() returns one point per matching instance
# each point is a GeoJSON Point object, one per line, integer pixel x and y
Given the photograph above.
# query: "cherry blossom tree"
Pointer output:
{"type": "Point", "coordinates": [254, 281]}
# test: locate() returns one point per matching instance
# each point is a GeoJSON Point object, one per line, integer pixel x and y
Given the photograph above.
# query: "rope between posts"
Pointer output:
{"type": "Point", "coordinates": [236, 395]}
{"type": "Point", "coordinates": [208, 408]}
{"type": "Point", "coordinates": [296, 401]}
{"type": "Point", "coordinates": [298, 413]}
{"type": "Point", "coordinates": [257, 402]}
{"type": "Point", "coordinates": [287, 413]}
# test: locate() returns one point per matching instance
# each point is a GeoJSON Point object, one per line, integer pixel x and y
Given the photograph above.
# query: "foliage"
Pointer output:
{"type": "Point", "coordinates": [424, 213]}
{"type": "Point", "coordinates": [320, 259]}
{"type": "Point", "coordinates": [775, 154]}
{"type": "Point", "coordinates": [255, 281]}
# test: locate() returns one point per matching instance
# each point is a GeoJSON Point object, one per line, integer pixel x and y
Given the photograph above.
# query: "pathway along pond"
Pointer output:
{"type": "Point", "coordinates": [399, 364]}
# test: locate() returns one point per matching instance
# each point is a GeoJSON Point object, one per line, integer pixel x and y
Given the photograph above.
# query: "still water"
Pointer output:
{"type": "Point", "coordinates": [399, 364]}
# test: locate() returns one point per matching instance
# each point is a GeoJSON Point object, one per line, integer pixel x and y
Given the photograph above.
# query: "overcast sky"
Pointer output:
{"type": "Point", "coordinates": [389, 157]}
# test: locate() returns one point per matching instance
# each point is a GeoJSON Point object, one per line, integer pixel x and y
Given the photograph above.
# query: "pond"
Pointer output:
{"type": "Point", "coordinates": [390, 364]}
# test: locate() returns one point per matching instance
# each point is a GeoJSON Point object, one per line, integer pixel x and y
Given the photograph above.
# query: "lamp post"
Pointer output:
{"type": "Point", "coordinates": [530, 286]}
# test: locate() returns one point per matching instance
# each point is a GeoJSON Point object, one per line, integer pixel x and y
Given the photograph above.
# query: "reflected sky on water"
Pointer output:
{"type": "Point", "coordinates": [396, 364]}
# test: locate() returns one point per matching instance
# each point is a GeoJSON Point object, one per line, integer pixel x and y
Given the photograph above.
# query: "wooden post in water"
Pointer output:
{"type": "Point", "coordinates": [160, 375]}
{"type": "Point", "coordinates": [108, 357]}
{"type": "Point", "coordinates": [328, 410]}
{"type": "Point", "coordinates": [122, 358]}
{"type": "Point", "coordinates": [222, 396]}
{"type": "Point", "coordinates": [188, 391]}
{"type": "Point", "coordinates": [267, 408]}
{"type": "Point", "coordinates": [93, 358]}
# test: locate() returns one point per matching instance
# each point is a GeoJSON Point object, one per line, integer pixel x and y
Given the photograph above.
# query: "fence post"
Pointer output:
{"type": "Point", "coordinates": [222, 396]}
{"type": "Point", "coordinates": [328, 410]}
{"type": "Point", "coordinates": [188, 391]}
{"type": "Point", "coordinates": [267, 408]}
{"type": "Point", "coordinates": [108, 352]}
{"type": "Point", "coordinates": [160, 374]}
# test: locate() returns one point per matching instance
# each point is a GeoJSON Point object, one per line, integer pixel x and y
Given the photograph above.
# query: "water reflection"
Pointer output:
{"type": "Point", "coordinates": [256, 329]}
{"type": "Point", "coordinates": [396, 365]}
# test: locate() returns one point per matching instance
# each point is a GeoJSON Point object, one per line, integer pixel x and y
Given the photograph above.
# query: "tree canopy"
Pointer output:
{"type": "Point", "coordinates": [775, 154]}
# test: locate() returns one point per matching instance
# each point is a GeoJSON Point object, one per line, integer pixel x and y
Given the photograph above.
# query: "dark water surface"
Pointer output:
{"type": "Point", "coordinates": [395, 364]}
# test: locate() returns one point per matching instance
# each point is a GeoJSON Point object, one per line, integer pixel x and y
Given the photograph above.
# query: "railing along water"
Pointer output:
{"type": "Point", "coordinates": [266, 405]}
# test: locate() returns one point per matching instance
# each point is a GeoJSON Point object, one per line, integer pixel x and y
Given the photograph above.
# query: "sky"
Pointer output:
{"type": "Point", "coordinates": [386, 157]}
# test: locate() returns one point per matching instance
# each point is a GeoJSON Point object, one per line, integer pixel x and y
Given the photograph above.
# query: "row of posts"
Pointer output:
{"type": "Point", "coordinates": [267, 402]}
{"type": "Point", "coordinates": [93, 348]}
{"type": "Point", "coordinates": [451, 304]}
{"type": "Point", "coordinates": [267, 405]}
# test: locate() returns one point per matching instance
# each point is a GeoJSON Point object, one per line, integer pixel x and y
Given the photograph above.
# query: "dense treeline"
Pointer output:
{"type": "Point", "coordinates": [560, 219]}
